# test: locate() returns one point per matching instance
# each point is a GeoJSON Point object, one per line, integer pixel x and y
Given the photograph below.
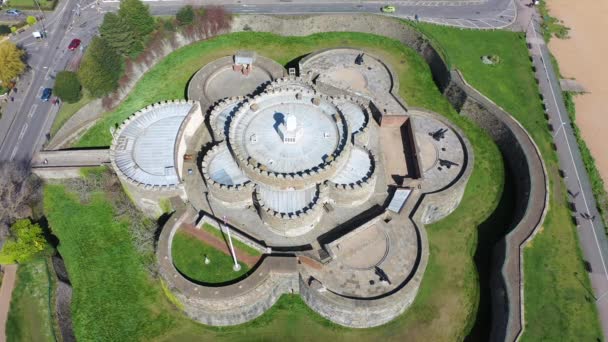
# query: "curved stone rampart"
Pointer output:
{"type": "Point", "coordinates": [295, 223]}
{"type": "Point", "coordinates": [524, 160]}
{"type": "Point", "coordinates": [231, 304]}
{"type": "Point", "coordinates": [257, 172]}
{"type": "Point", "coordinates": [354, 194]}
{"type": "Point", "coordinates": [218, 111]}
{"type": "Point", "coordinates": [237, 194]}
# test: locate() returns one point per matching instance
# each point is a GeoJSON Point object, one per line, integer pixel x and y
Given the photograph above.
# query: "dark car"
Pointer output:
{"type": "Point", "coordinates": [46, 94]}
{"type": "Point", "coordinates": [13, 12]}
{"type": "Point", "coordinates": [74, 44]}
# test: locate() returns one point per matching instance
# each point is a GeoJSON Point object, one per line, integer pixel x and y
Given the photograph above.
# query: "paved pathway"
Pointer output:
{"type": "Point", "coordinates": [220, 244]}
{"type": "Point", "coordinates": [592, 235]}
{"type": "Point", "coordinates": [6, 291]}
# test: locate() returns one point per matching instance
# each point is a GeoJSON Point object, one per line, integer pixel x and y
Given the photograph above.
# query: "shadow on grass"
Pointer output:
{"type": "Point", "coordinates": [492, 230]}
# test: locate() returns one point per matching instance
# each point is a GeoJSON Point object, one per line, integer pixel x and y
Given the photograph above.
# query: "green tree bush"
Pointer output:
{"type": "Point", "coordinates": [67, 86]}
{"type": "Point", "coordinates": [100, 68]}
{"type": "Point", "coordinates": [4, 29]}
{"type": "Point", "coordinates": [137, 15]}
{"type": "Point", "coordinates": [118, 34]}
{"type": "Point", "coordinates": [185, 15]}
{"type": "Point", "coordinates": [26, 241]}
{"type": "Point", "coordinates": [31, 20]}
{"type": "Point", "coordinates": [11, 63]}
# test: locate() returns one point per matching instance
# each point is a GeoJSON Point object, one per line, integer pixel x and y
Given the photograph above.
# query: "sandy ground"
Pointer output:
{"type": "Point", "coordinates": [6, 291]}
{"type": "Point", "coordinates": [583, 57]}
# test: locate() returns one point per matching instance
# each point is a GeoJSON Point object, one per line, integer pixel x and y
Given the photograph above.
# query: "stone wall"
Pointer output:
{"type": "Point", "coordinates": [188, 128]}
{"type": "Point", "coordinates": [225, 304]}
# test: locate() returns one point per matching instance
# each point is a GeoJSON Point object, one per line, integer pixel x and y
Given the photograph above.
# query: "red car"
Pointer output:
{"type": "Point", "coordinates": [74, 44]}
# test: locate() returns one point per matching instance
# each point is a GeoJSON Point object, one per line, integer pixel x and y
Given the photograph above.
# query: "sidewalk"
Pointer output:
{"type": "Point", "coordinates": [592, 235]}
{"type": "Point", "coordinates": [6, 291]}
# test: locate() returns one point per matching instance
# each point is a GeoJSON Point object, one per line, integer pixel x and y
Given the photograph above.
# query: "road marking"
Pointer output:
{"type": "Point", "coordinates": [572, 157]}
{"type": "Point", "coordinates": [22, 133]}
{"type": "Point", "coordinates": [32, 110]}
{"type": "Point", "coordinates": [14, 153]}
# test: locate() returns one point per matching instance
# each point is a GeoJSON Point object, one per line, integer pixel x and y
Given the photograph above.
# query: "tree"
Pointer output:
{"type": "Point", "coordinates": [100, 68]}
{"type": "Point", "coordinates": [67, 86]}
{"type": "Point", "coordinates": [4, 29]}
{"type": "Point", "coordinates": [20, 190]}
{"type": "Point", "coordinates": [26, 241]}
{"type": "Point", "coordinates": [185, 15]}
{"type": "Point", "coordinates": [137, 15]}
{"type": "Point", "coordinates": [30, 20]}
{"type": "Point", "coordinates": [118, 34]}
{"type": "Point", "coordinates": [11, 63]}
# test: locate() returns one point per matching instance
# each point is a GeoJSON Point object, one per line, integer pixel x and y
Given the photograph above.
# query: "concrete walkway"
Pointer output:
{"type": "Point", "coordinates": [6, 291]}
{"type": "Point", "coordinates": [591, 231]}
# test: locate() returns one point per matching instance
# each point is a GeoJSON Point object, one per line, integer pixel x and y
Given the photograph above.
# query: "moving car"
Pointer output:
{"type": "Point", "coordinates": [13, 12]}
{"type": "Point", "coordinates": [46, 94]}
{"type": "Point", "coordinates": [74, 44]}
{"type": "Point", "coordinates": [388, 9]}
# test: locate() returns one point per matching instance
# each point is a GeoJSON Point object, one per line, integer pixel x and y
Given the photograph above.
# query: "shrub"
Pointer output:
{"type": "Point", "coordinates": [26, 241]}
{"type": "Point", "coordinates": [30, 20]}
{"type": "Point", "coordinates": [67, 86]}
{"type": "Point", "coordinates": [185, 15]}
{"type": "Point", "coordinates": [4, 29]}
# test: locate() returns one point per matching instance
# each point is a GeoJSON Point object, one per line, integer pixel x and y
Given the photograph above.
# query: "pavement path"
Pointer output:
{"type": "Point", "coordinates": [591, 231]}
{"type": "Point", "coordinates": [6, 291]}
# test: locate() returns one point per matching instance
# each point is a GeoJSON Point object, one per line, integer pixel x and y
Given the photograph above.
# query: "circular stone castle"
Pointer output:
{"type": "Point", "coordinates": [329, 174]}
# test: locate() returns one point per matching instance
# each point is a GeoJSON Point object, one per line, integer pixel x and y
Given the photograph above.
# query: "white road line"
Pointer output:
{"type": "Point", "coordinates": [32, 110]}
{"type": "Point", "coordinates": [23, 130]}
{"type": "Point", "coordinates": [572, 157]}
{"type": "Point", "coordinates": [14, 153]}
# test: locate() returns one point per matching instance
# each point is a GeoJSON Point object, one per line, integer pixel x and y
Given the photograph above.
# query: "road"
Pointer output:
{"type": "Point", "coordinates": [591, 231]}
{"type": "Point", "coordinates": [27, 120]}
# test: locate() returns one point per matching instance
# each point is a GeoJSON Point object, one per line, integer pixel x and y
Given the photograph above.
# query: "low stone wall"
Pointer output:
{"type": "Point", "coordinates": [231, 304]}
{"type": "Point", "coordinates": [523, 159]}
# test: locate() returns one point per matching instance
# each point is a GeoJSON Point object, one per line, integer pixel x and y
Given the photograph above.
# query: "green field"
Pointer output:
{"type": "Point", "coordinates": [29, 318]}
{"type": "Point", "coordinates": [30, 4]}
{"type": "Point", "coordinates": [237, 243]}
{"type": "Point", "coordinates": [66, 112]}
{"type": "Point", "coordinates": [557, 302]}
{"type": "Point", "coordinates": [189, 254]}
{"type": "Point", "coordinates": [448, 296]}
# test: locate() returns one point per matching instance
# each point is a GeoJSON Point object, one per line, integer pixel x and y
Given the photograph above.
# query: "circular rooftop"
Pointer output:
{"type": "Point", "coordinates": [288, 131]}
{"type": "Point", "coordinates": [143, 147]}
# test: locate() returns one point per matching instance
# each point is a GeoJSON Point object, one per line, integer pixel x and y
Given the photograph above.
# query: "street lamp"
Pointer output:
{"type": "Point", "coordinates": [41, 18]}
{"type": "Point", "coordinates": [236, 266]}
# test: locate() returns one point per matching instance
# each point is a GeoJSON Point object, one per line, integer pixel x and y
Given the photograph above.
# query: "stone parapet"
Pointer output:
{"type": "Point", "coordinates": [355, 193]}
{"type": "Point", "coordinates": [256, 171]}
{"type": "Point", "coordinates": [215, 116]}
{"type": "Point", "coordinates": [295, 223]}
{"type": "Point", "coordinates": [186, 132]}
{"type": "Point", "coordinates": [237, 194]}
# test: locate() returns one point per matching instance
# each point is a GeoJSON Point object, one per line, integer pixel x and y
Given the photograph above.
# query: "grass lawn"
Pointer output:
{"type": "Point", "coordinates": [114, 299]}
{"type": "Point", "coordinates": [557, 302]}
{"type": "Point", "coordinates": [189, 254]}
{"type": "Point", "coordinates": [66, 112]}
{"type": "Point", "coordinates": [29, 318]}
{"type": "Point", "coordinates": [237, 243]}
{"type": "Point", "coordinates": [448, 296]}
{"type": "Point", "coordinates": [30, 4]}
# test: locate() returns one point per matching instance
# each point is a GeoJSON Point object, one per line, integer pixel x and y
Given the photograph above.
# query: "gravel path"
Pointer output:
{"type": "Point", "coordinates": [6, 291]}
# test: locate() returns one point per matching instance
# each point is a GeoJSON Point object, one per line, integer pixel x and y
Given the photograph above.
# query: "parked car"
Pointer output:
{"type": "Point", "coordinates": [388, 9]}
{"type": "Point", "coordinates": [74, 44]}
{"type": "Point", "coordinates": [46, 94]}
{"type": "Point", "coordinates": [13, 12]}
